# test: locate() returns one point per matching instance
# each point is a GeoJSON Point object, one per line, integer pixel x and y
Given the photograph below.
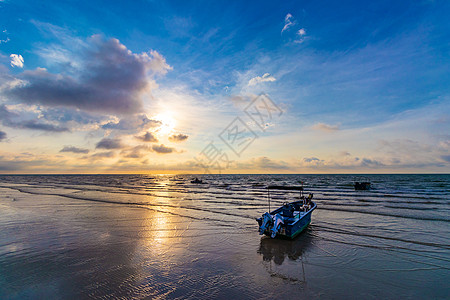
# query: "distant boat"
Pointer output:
{"type": "Point", "coordinates": [362, 186]}
{"type": "Point", "coordinates": [289, 220]}
{"type": "Point", "coordinates": [197, 181]}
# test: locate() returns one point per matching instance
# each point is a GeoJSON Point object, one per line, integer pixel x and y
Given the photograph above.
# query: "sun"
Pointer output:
{"type": "Point", "coordinates": [168, 123]}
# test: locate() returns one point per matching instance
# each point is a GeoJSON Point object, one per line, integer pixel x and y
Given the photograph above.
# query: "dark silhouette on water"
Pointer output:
{"type": "Point", "coordinates": [361, 186]}
{"type": "Point", "coordinates": [197, 181]}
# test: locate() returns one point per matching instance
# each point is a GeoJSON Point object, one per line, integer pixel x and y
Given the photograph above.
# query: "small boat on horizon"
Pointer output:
{"type": "Point", "coordinates": [361, 186]}
{"type": "Point", "coordinates": [289, 220]}
{"type": "Point", "coordinates": [197, 181]}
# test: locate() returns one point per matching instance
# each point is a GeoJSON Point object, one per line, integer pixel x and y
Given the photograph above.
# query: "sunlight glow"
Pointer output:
{"type": "Point", "coordinates": [168, 123]}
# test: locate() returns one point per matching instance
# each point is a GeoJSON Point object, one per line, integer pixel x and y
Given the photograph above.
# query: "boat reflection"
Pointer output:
{"type": "Point", "coordinates": [277, 249]}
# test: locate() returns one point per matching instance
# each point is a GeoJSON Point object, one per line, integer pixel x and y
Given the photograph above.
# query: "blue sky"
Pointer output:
{"type": "Point", "coordinates": [364, 86]}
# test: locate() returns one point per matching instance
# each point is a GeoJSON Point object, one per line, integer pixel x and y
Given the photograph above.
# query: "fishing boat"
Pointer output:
{"type": "Point", "coordinates": [359, 186]}
{"type": "Point", "coordinates": [197, 181]}
{"type": "Point", "coordinates": [289, 220]}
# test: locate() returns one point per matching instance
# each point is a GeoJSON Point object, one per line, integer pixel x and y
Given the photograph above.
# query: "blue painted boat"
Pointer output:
{"type": "Point", "coordinates": [289, 220]}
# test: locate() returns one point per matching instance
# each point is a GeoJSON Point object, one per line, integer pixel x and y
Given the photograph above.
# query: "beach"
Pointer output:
{"type": "Point", "coordinates": [147, 236]}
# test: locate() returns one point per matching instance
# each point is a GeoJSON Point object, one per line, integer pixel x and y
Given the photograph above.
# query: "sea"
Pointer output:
{"type": "Point", "coordinates": [163, 237]}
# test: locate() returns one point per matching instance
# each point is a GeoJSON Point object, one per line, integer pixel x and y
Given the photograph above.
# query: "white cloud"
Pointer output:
{"type": "Point", "coordinates": [16, 60]}
{"type": "Point", "coordinates": [301, 33]}
{"type": "Point", "coordinates": [158, 63]}
{"type": "Point", "coordinates": [4, 40]}
{"type": "Point", "coordinates": [258, 79]}
{"type": "Point", "coordinates": [288, 22]}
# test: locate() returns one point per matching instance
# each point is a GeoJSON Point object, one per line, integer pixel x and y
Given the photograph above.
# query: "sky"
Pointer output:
{"type": "Point", "coordinates": [224, 87]}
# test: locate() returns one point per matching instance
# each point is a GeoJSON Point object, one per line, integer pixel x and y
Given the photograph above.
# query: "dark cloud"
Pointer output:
{"type": "Point", "coordinates": [74, 149]}
{"type": "Point", "coordinates": [446, 158]}
{"type": "Point", "coordinates": [32, 124]}
{"type": "Point", "coordinates": [7, 119]}
{"type": "Point", "coordinates": [148, 137]}
{"type": "Point", "coordinates": [134, 122]}
{"type": "Point", "coordinates": [16, 163]}
{"type": "Point", "coordinates": [108, 143]}
{"type": "Point", "coordinates": [10, 166]}
{"type": "Point", "coordinates": [137, 152]}
{"type": "Point", "coordinates": [100, 155]}
{"type": "Point", "coordinates": [178, 137]}
{"type": "Point", "coordinates": [367, 162]}
{"type": "Point", "coordinates": [162, 149]}
{"type": "Point", "coordinates": [2, 135]}
{"type": "Point", "coordinates": [310, 159]}
{"type": "Point", "coordinates": [6, 115]}
{"type": "Point", "coordinates": [108, 78]}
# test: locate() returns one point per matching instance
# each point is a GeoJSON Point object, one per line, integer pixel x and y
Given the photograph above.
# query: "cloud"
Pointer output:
{"type": "Point", "coordinates": [325, 127]}
{"type": "Point", "coordinates": [161, 149]}
{"type": "Point", "coordinates": [74, 149]}
{"type": "Point", "coordinates": [301, 36]}
{"type": "Point", "coordinates": [24, 161]}
{"type": "Point", "coordinates": [312, 159]}
{"type": "Point", "coordinates": [258, 79]}
{"type": "Point", "coordinates": [265, 163]}
{"type": "Point", "coordinates": [2, 135]}
{"type": "Point", "coordinates": [239, 100]}
{"type": "Point", "coordinates": [178, 137]}
{"type": "Point", "coordinates": [367, 162]}
{"type": "Point", "coordinates": [344, 153]}
{"type": "Point", "coordinates": [288, 22]}
{"type": "Point", "coordinates": [34, 125]}
{"type": "Point", "coordinates": [16, 60]}
{"type": "Point", "coordinates": [446, 158]}
{"type": "Point", "coordinates": [139, 121]}
{"type": "Point", "coordinates": [76, 120]}
{"type": "Point", "coordinates": [108, 78]}
{"type": "Point", "coordinates": [108, 143]}
{"type": "Point", "coordinates": [7, 119]}
{"type": "Point", "coordinates": [10, 165]}
{"type": "Point", "coordinates": [101, 155]}
{"type": "Point", "coordinates": [344, 162]}
{"type": "Point", "coordinates": [137, 152]}
{"type": "Point", "coordinates": [148, 137]}
{"type": "Point", "coordinates": [5, 40]}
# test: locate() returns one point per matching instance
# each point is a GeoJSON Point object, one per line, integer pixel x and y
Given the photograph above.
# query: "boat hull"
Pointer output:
{"type": "Point", "coordinates": [290, 231]}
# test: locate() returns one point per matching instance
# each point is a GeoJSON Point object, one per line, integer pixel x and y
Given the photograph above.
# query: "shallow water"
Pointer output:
{"type": "Point", "coordinates": [133, 236]}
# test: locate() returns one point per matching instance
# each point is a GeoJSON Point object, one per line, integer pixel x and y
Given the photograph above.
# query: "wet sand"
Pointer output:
{"type": "Point", "coordinates": [66, 242]}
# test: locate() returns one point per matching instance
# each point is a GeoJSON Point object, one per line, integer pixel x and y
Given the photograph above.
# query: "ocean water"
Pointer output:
{"type": "Point", "coordinates": [147, 237]}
